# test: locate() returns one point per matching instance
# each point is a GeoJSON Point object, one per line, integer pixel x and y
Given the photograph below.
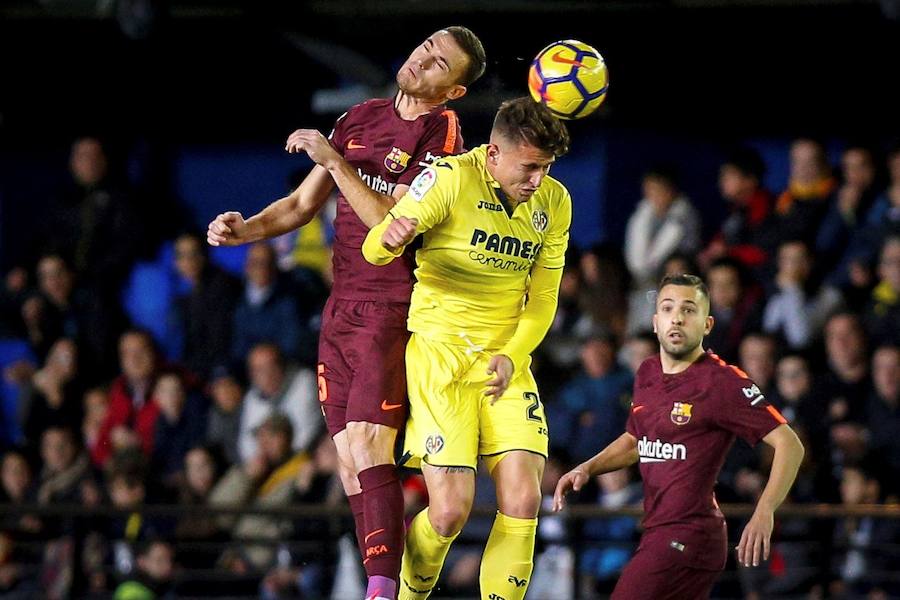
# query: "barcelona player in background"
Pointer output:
{"type": "Point", "coordinates": [376, 150]}
{"type": "Point", "coordinates": [687, 409]}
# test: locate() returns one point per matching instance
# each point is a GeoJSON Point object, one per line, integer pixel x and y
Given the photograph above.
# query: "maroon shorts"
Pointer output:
{"type": "Point", "coordinates": [362, 373]}
{"type": "Point", "coordinates": [673, 563]}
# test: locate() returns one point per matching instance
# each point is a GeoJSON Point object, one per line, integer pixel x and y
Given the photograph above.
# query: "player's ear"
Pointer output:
{"type": "Point", "coordinates": [457, 91]}
{"type": "Point", "coordinates": [710, 321]}
{"type": "Point", "coordinates": [493, 152]}
{"type": "Point", "coordinates": [654, 322]}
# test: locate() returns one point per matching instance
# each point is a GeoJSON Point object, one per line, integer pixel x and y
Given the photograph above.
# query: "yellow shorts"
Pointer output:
{"type": "Point", "coordinates": [451, 422]}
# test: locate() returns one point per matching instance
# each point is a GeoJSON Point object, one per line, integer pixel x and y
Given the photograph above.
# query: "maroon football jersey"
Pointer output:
{"type": "Point", "coordinates": [685, 424]}
{"type": "Point", "coordinates": [386, 151]}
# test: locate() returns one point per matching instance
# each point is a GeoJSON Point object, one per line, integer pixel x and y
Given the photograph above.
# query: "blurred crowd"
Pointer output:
{"type": "Point", "coordinates": [222, 410]}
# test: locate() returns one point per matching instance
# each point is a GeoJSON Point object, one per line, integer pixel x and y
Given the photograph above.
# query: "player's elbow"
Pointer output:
{"type": "Point", "coordinates": [790, 443]}
{"type": "Point", "coordinates": [798, 449]}
{"type": "Point", "coordinates": [373, 256]}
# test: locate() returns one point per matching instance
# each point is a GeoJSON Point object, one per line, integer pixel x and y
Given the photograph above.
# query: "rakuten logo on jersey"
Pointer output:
{"type": "Point", "coordinates": [377, 182]}
{"type": "Point", "coordinates": [660, 451]}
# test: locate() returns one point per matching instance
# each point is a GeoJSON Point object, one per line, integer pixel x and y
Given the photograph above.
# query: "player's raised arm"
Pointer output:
{"type": "Point", "coordinates": [370, 206]}
{"type": "Point", "coordinates": [286, 214]}
{"type": "Point", "coordinates": [621, 453]}
{"type": "Point", "coordinates": [755, 540]}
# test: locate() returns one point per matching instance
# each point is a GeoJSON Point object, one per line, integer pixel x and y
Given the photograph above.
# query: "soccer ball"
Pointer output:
{"type": "Point", "coordinates": [570, 78]}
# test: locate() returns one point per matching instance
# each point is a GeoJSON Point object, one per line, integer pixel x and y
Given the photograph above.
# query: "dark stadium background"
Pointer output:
{"type": "Point", "coordinates": [686, 78]}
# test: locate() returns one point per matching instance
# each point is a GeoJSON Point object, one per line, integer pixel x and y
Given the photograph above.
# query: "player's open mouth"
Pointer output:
{"type": "Point", "coordinates": [412, 72]}
{"type": "Point", "coordinates": [675, 336]}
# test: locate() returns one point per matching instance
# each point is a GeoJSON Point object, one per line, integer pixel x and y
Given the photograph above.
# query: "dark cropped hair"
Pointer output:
{"type": "Point", "coordinates": [665, 173]}
{"type": "Point", "coordinates": [748, 161]}
{"type": "Point", "coordinates": [470, 44]}
{"type": "Point", "coordinates": [524, 120]}
{"type": "Point", "coordinates": [684, 279]}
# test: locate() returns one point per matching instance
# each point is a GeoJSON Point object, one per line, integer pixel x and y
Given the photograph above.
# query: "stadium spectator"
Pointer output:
{"type": "Point", "coordinates": [800, 209]}
{"type": "Point", "coordinates": [202, 470]}
{"type": "Point", "coordinates": [749, 208]}
{"type": "Point", "coordinates": [152, 579]}
{"type": "Point", "coordinates": [882, 315]}
{"type": "Point", "coordinates": [16, 481]}
{"type": "Point", "coordinates": [865, 545]}
{"type": "Point", "coordinates": [883, 414]}
{"type": "Point", "coordinates": [605, 283]}
{"type": "Point", "coordinates": [593, 406]}
{"type": "Point", "coordinates": [178, 428]}
{"type": "Point", "coordinates": [74, 312]}
{"type": "Point", "coordinates": [53, 395]}
{"type": "Point", "coordinates": [799, 398]}
{"type": "Point", "coordinates": [95, 404]}
{"type": "Point", "coordinates": [734, 306]}
{"type": "Point", "coordinates": [267, 311]}
{"type": "Point", "coordinates": [93, 222]}
{"type": "Point", "coordinates": [204, 313]}
{"type": "Point", "coordinates": [797, 307]}
{"type": "Point", "coordinates": [562, 345]}
{"type": "Point", "coordinates": [846, 381]}
{"type": "Point", "coordinates": [851, 203]}
{"type": "Point", "coordinates": [265, 480]}
{"type": "Point", "coordinates": [310, 572]}
{"type": "Point", "coordinates": [664, 222]}
{"type": "Point", "coordinates": [757, 355]}
{"type": "Point", "coordinates": [223, 420]}
{"type": "Point", "coordinates": [276, 387]}
{"type": "Point", "coordinates": [17, 580]}
{"type": "Point", "coordinates": [132, 413]}
{"type": "Point", "coordinates": [66, 474]}
{"type": "Point", "coordinates": [12, 294]}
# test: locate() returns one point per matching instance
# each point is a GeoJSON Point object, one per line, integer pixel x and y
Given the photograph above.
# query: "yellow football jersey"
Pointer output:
{"type": "Point", "coordinates": [477, 263]}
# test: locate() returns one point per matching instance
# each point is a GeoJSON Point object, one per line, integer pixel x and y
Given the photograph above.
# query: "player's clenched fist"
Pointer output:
{"type": "Point", "coordinates": [573, 480]}
{"type": "Point", "coordinates": [399, 233]}
{"type": "Point", "coordinates": [227, 229]}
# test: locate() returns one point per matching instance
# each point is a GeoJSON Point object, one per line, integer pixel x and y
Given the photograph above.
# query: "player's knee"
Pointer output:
{"type": "Point", "coordinates": [348, 474]}
{"type": "Point", "coordinates": [448, 519]}
{"type": "Point", "coordinates": [370, 445]}
{"type": "Point", "coordinates": [523, 502]}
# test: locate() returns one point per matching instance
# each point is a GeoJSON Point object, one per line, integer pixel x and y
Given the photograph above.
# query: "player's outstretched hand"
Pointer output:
{"type": "Point", "coordinates": [227, 229]}
{"type": "Point", "coordinates": [399, 233]}
{"type": "Point", "coordinates": [754, 545]}
{"type": "Point", "coordinates": [573, 480]}
{"type": "Point", "coordinates": [314, 144]}
{"type": "Point", "coordinates": [501, 367]}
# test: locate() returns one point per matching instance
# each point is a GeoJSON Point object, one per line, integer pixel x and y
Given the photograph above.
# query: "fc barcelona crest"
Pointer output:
{"type": "Point", "coordinates": [681, 413]}
{"type": "Point", "coordinates": [397, 160]}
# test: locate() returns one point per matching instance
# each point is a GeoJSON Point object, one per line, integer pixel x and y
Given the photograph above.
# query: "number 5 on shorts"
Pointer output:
{"type": "Point", "coordinates": [323, 384]}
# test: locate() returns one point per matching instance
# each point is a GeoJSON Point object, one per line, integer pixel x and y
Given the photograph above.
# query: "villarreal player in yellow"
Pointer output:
{"type": "Point", "coordinates": [494, 228]}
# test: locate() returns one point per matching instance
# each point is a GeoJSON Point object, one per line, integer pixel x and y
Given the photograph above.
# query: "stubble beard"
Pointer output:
{"type": "Point", "coordinates": [678, 353]}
